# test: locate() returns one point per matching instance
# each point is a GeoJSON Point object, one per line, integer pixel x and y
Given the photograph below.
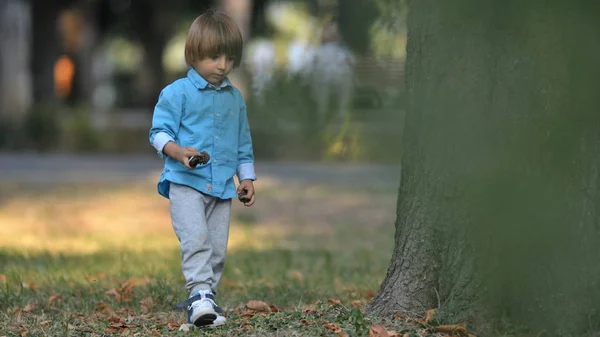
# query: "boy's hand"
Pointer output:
{"type": "Point", "coordinates": [181, 154]}
{"type": "Point", "coordinates": [245, 192]}
{"type": "Point", "coordinates": [185, 154]}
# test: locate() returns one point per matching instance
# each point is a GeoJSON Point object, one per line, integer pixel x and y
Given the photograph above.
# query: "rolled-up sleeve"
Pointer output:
{"type": "Point", "coordinates": [245, 169]}
{"type": "Point", "coordinates": [166, 119]}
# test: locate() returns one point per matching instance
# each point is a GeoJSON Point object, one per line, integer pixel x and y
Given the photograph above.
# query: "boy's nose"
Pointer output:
{"type": "Point", "coordinates": [221, 62]}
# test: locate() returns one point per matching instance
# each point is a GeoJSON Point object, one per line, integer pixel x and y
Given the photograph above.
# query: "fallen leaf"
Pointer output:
{"type": "Point", "coordinates": [458, 330]}
{"type": "Point", "coordinates": [257, 305]}
{"type": "Point", "coordinates": [335, 329]}
{"type": "Point", "coordinates": [248, 314]}
{"type": "Point", "coordinates": [378, 331]}
{"type": "Point", "coordinates": [428, 316]}
{"type": "Point", "coordinates": [30, 307]}
{"type": "Point", "coordinates": [147, 304]}
{"type": "Point", "coordinates": [173, 324]}
{"type": "Point", "coordinates": [114, 292]}
{"type": "Point", "coordinates": [95, 277]}
{"type": "Point", "coordinates": [134, 282]}
{"type": "Point", "coordinates": [103, 307]}
{"type": "Point", "coordinates": [29, 286]}
{"type": "Point", "coordinates": [296, 275]}
{"type": "Point", "coordinates": [247, 326]}
{"type": "Point", "coordinates": [45, 323]}
{"type": "Point", "coordinates": [332, 301]}
{"type": "Point", "coordinates": [184, 327]}
{"type": "Point", "coordinates": [23, 332]}
{"type": "Point", "coordinates": [356, 303]}
{"type": "Point", "coordinates": [370, 294]}
{"type": "Point", "coordinates": [3, 278]}
{"type": "Point", "coordinates": [52, 300]}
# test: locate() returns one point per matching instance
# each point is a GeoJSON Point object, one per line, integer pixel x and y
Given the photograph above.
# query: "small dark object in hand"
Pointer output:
{"type": "Point", "coordinates": [203, 158]}
{"type": "Point", "coordinates": [242, 196]}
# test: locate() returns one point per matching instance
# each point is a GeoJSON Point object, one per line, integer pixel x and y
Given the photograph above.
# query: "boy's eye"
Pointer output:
{"type": "Point", "coordinates": [216, 57]}
{"type": "Point", "coordinates": [231, 59]}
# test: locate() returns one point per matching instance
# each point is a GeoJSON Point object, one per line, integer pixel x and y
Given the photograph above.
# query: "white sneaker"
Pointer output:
{"type": "Point", "coordinates": [220, 320]}
{"type": "Point", "coordinates": [202, 312]}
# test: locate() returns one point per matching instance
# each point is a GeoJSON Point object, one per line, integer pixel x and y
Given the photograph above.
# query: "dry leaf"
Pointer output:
{"type": "Point", "coordinates": [30, 307]}
{"type": "Point", "coordinates": [258, 306]}
{"type": "Point", "coordinates": [370, 294]}
{"type": "Point", "coordinates": [134, 282]}
{"type": "Point", "coordinates": [184, 327]}
{"type": "Point", "coordinates": [247, 314]}
{"type": "Point", "coordinates": [356, 303]}
{"type": "Point", "coordinates": [147, 304]}
{"type": "Point", "coordinates": [3, 278]}
{"type": "Point", "coordinates": [428, 316]}
{"type": "Point", "coordinates": [378, 331]}
{"type": "Point", "coordinates": [95, 277]}
{"type": "Point", "coordinates": [332, 301]}
{"type": "Point", "coordinates": [333, 327]}
{"type": "Point", "coordinates": [296, 275]}
{"type": "Point", "coordinates": [45, 323]}
{"type": "Point", "coordinates": [52, 300]}
{"type": "Point", "coordinates": [101, 306]}
{"type": "Point", "coordinates": [29, 286]}
{"type": "Point", "coordinates": [454, 329]}
{"type": "Point", "coordinates": [173, 324]}
{"type": "Point", "coordinates": [23, 332]}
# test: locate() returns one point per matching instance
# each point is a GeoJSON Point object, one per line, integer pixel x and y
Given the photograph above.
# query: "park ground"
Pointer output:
{"type": "Point", "coordinates": [87, 249]}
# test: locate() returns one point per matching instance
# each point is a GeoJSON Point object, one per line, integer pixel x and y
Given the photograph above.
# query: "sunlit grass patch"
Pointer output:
{"type": "Point", "coordinates": [103, 259]}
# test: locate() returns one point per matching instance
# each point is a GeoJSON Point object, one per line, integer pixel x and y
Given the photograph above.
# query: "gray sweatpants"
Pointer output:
{"type": "Point", "coordinates": [201, 223]}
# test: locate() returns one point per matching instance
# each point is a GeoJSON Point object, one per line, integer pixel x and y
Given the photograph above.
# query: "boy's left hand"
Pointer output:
{"type": "Point", "coordinates": [247, 198]}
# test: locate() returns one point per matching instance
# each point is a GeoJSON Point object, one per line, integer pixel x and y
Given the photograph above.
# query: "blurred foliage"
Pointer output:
{"type": "Point", "coordinates": [285, 125]}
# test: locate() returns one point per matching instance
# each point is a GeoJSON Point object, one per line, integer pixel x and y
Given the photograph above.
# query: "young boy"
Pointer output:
{"type": "Point", "coordinates": [204, 112]}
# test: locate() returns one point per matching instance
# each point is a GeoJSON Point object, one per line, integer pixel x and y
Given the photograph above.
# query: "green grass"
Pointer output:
{"type": "Point", "coordinates": [98, 260]}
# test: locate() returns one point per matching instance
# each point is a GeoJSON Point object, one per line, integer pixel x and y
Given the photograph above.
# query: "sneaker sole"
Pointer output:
{"type": "Point", "coordinates": [205, 320]}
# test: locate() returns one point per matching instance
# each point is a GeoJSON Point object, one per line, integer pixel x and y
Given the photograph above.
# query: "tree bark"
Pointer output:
{"type": "Point", "coordinates": [496, 208]}
{"type": "Point", "coordinates": [15, 77]}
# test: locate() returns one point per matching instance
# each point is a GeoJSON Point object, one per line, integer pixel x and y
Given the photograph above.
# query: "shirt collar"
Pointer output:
{"type": "Point", "coordinates": [200, 83]}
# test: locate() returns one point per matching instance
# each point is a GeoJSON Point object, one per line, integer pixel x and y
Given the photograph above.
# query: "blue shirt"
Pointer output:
{"type": "Point", "coordinates": [192, 112]}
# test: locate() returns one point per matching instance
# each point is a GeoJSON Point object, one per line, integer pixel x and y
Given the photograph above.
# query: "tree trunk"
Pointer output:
{"type": "Point", "coordinates": [241, 12]}
{"type": "Point", "coordinates": [497, 203]}
{"type": "Point", "coordinates": [15, 77]}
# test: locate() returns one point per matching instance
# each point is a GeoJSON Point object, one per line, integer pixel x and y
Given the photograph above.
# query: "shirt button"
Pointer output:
{"type": "Point", "coordinates": [218, 115]}
{"type": "Point", "coordinates": [216, 137]}
{"type": "Point", "coordinates": [214, 160]}
{"type": "Point", "coordinates": [209, 187]}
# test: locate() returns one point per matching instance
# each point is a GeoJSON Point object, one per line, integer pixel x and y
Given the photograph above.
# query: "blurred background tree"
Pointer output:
{"type": "Point", "coordinates": [99, 65]}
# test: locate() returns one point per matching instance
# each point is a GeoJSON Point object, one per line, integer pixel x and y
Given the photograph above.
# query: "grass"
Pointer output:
{"type": "Point", "coordinates": [102, 260]}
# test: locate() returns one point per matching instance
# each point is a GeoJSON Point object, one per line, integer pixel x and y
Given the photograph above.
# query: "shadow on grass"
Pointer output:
{"type": "Point", "coordinates": [280, 277]}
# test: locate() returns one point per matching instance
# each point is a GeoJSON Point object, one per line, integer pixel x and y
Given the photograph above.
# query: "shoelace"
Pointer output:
{"type": "Point", "coordinates": [187, 303]}
{"type": "Point", "coordinates": [201, 303]}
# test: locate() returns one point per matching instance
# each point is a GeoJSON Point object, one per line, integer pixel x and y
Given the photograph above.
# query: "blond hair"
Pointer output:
{"type": "Point", "coordinates": [211, 34]}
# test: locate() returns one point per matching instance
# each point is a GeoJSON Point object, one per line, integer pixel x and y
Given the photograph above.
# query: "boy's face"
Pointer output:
{"type": "Point", "coordinates": [214, 69]}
